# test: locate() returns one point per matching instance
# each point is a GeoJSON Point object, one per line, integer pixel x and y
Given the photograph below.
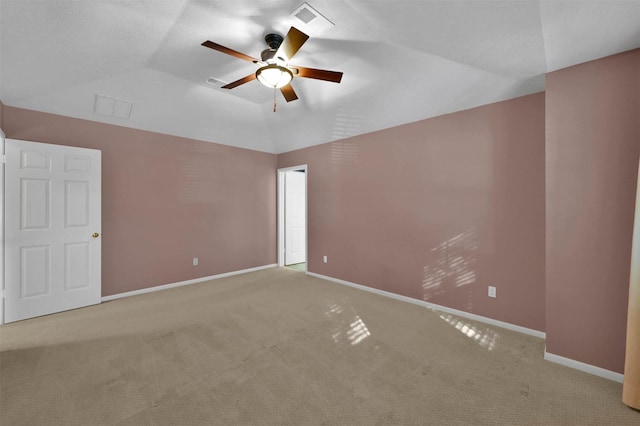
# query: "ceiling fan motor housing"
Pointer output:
{"type": "Point", "coordinates": [273, 40]}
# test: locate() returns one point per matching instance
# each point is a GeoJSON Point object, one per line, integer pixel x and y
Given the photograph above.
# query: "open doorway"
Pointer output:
{"type": "Point", "coordinates": [292, 217]}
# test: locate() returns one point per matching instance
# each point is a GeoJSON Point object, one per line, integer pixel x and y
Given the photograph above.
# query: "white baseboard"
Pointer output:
{"type": "Point", "coordinates": [433, 306]}
{"type": "Point", "coordinates": [587, 368]}
{"type": "Point", "coordinates": [577, 365]}
{"type": "Point", "coordinates": [181, 283]}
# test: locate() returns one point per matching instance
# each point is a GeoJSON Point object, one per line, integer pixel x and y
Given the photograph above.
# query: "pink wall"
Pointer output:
{"type": "Point", "coordinates": [437, 210]}
{"type": "Point", "coordinates": [166, 200]}
{"type": "Point", "coordinates": [593, 143]}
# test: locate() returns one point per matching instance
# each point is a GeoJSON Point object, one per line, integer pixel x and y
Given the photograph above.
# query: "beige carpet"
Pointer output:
{"type": "Point", "coordinates": [277, 347]}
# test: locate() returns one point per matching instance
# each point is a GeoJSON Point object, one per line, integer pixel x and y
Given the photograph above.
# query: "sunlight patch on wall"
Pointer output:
{"type": "Point", "coordinates": [344, 152]}
{"type": "Point", "coordinates": [452, 263]}
{"type": "Point", "coordinates": [198, 185]}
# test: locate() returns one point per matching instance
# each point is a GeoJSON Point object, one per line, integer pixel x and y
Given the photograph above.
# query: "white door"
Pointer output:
{"type": "Point", "coordinates": [295, 217]}
{"type": "Point", "coordinates": [52, 228]}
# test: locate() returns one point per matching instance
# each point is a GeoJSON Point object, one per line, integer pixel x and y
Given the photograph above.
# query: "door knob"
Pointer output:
{"type": "Point", "coordinates": [95, 235]}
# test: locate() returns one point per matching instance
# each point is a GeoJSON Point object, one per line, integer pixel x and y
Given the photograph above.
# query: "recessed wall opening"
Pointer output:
{"type": "Point", "coordinates": [292, 217]}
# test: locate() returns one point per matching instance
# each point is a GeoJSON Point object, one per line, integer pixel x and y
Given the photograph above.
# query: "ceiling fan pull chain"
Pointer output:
{"type": "Point", "coordinates": [274, 99]}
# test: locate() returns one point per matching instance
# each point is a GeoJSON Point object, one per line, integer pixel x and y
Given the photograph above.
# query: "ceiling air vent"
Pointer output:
{"type": "Point", "coordinates": [313, 19]}
{"type": "Point", "coordinates": [112, 107]}
{"type": "Point", "coordinates": [306, 15]}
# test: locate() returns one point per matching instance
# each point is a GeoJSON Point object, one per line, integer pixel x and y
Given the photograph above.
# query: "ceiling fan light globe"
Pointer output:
{"type": "Point", "coordinates": [274, 76]}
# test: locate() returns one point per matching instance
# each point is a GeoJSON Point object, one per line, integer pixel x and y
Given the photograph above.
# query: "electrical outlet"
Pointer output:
{"type": "Point", "coordinates": [324, 259]}
{"type": "Point", "coordinates": [492, 291]}
{"type": "Point", "coordinates": [195, 261]}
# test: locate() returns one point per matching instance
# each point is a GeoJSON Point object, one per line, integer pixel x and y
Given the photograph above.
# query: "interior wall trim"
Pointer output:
{"type": "Point", "coordinates": [468, 315]}
{"type": "Point", "coordinates": [587, 368]}
{"type": "Point", "coordinates": [2, 138]}
{"type": "Point", "coordinates": [182, 283]}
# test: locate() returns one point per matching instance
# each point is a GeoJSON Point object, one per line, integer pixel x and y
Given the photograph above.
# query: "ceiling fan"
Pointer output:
{"type": "Point", "coordinates": [275, 71]}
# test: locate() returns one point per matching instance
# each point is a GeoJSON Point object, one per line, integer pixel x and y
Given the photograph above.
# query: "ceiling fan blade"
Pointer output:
{"type": "Point", "coordinates": [237, 83]}
{"type": "Point", "coordinates": [288, 93]}
{"type": "Point", "coordinates": [291, 44]}
{"type": "Point", "coordinates": [220, 48]}
{"type": "Point", "coordinates": [333, 76]}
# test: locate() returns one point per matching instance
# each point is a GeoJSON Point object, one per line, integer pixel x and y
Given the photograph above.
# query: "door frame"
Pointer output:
{"type": "Point", "coordinates": [281, 204]}
{"type": "Point", "coordinates": [2, 162]}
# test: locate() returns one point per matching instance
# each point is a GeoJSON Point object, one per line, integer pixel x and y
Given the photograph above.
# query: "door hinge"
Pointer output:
{"type": "Point", "coordinates": [4, 158]}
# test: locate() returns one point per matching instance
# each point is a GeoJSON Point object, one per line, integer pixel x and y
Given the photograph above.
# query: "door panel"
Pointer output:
{"type": "Point", "coordinates": [36, 211]}
{"type": "Point", "coordinates": [77, 266]}
{"type": "Point", "coordinates": [77, 204]}
{"type": "Point", "coordinates": [35, 160]}
{"type": "Point", "coordinates": [35, 277]}
{"type": "Point", "coordinates": [52, 208]}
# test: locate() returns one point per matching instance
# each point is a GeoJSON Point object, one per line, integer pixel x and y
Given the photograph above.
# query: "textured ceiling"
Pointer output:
{"type": "Point", "coordinates": [402, 61]}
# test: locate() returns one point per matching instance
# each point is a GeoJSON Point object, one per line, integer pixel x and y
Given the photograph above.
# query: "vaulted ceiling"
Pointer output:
{"type": "Point", "coordinates": [140, 64]}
